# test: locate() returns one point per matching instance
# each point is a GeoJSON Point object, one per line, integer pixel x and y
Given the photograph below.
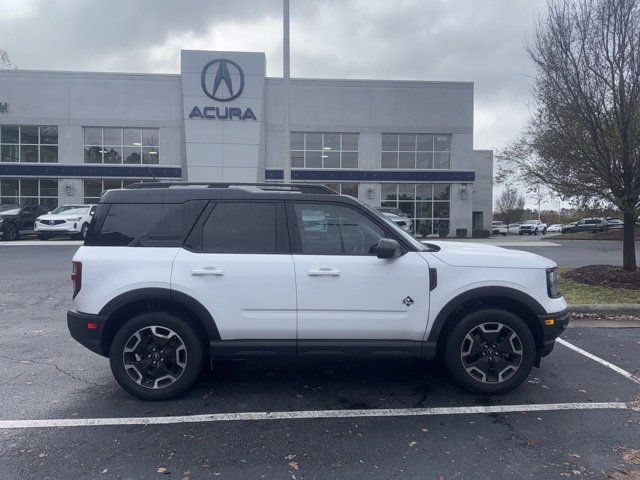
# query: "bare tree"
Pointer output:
{"type": "Point", "coordinates": [510, 204]}
{"type": "Point", "coordinates": [5, 61]}
{"type": "Point", "coordinates": [584, 136]}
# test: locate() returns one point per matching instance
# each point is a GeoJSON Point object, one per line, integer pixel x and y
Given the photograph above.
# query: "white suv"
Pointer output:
{"type": "Point", "coordinates": [66, 220]}
{"type": "Point", "coordinates": [171, 277]}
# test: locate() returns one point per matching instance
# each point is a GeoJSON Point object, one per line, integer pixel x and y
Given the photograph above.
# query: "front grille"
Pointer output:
{"type": "Point", "coordinates": [401, 223]}
{"type": "Point", "coordinates": [51, 222]}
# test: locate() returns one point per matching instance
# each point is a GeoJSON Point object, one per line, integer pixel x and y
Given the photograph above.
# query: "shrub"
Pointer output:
{"type": "Point", "coordinates": [443, 233]}
{"type": "Point", "coordinates": [461, 232]}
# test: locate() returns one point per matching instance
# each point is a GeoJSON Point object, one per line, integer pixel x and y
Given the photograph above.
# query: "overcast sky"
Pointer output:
{"type": "Point", "coordinates": [470, 40]}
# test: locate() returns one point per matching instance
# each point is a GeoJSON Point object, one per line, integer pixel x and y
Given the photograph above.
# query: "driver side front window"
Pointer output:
{"type": "Point", "coordinates": [327, 229]}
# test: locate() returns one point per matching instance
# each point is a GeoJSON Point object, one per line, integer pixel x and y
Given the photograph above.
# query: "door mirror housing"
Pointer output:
{"type": "Point", "coordinates": [388, 248]}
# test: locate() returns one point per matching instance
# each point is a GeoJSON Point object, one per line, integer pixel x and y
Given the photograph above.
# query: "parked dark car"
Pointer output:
{"type": "Point", "coordinates": [586, 225]}
{"type": "Point", "coordinates": [16, 220]}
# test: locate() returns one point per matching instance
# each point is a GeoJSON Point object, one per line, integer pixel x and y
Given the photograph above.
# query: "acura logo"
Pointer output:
{"type": "Point", "coordinates": [222, 80]}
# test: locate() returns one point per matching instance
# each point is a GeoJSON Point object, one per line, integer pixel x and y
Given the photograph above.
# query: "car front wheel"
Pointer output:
{"type": "Point", "coordinates": [10, 232]}
{"type": "Point", "coordinates": [490, 351]}
{"type": "Point", "coordinates": [156, 356]}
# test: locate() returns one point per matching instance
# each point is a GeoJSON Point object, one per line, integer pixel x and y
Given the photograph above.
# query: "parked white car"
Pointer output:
{"type": "Point", "coordinates": [66, 221]}
{"type": "Point", "coordinates": [247, 272]}
{"type": "Point", "coordinates": [514, 228]}
{"type": "Point", "coordinates": [533, 227]}
{"type": "Point", "coordinates": [555, 228]}
{"type": "Point", "coordinates": [399, 213]}
{"type": "Point", "coordinates": [499, 228]}
{"type": "Point", "coordinates": [403, 222]}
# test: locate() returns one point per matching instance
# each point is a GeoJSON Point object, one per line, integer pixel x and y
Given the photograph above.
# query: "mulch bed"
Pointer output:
{"type": "Point", "coordinates": [604, 275]}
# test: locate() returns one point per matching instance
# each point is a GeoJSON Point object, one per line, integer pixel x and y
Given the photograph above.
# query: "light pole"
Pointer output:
{"type": "Point", "coordinates": [286, 134]}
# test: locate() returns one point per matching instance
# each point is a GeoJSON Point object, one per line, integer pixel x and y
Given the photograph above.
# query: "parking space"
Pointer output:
{"type": "Point", "coordinates": [46, 375]}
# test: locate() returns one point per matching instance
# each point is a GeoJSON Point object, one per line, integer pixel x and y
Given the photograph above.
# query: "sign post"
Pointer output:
{"type": "Point", "coordinates": [285, 93]}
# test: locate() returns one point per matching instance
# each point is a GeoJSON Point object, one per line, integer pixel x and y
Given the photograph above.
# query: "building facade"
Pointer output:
{"type": "Point", "coordinates": [67, 136]}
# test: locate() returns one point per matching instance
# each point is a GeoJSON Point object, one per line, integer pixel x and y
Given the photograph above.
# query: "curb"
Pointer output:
{"type": "Point", "coordinates": [610, 308]}
{"type": "Point", "coordinates": [603, 323]}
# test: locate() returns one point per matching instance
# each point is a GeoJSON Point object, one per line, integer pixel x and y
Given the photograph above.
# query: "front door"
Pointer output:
{"type": "Point", "coordinates": [347, 296]}
{"type": "Point", "coordinates": [238, 265]}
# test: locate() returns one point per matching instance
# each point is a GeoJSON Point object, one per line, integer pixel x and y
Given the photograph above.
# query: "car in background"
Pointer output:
{"type": "Point", "coordinates": [401, 221]}
{"type": "Point", "coordinates": [592, 225]}
{"type": "Point", "coordinates": [514, 227]}
{"type": "Point", "coordinates": [533, 227]}
{"type": "Point", "coordinates": [17, 219]}
{"type": "Point", "coordinates": [614, 223]}
{"type": "Point", "coordinates": [65, 221]}
{"type": "Point", "coordinates": [399, 213]}
{"type": "Point", "coordinates": [499, 228]}
{"type": "Point", "coordinates": [555, 228]}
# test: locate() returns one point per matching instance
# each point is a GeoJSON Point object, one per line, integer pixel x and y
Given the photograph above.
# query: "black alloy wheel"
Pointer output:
{"type": "Point", "coordinates": [156, 356]}
{"type": "Point", "coordinates": [490, 351]}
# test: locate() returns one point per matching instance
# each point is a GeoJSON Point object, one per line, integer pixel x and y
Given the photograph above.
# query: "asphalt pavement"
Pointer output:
{"type": "Point", "coordinates": [44, 374]}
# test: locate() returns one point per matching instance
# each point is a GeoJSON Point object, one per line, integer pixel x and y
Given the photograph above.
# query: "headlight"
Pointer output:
{"type": "Point", "coordinates": [74, 219]}
{"type": "Point", "coordinates": [552, 282]}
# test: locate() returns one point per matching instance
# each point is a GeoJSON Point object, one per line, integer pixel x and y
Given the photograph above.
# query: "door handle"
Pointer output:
{"type": "Point", "coordinates": [206, 271]}
{"type": "Point", "coordinates": [323, 272]}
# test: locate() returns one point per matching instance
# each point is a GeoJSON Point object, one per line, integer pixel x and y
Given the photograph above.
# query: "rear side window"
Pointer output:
{"type": "Point", "coordinates": [143, 225]}
{"type": "Point", "coordinates": [243, 227]}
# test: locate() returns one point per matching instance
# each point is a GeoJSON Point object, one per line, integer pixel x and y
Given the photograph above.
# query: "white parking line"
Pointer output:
{"type": "Point", "coordinates": [30, 243]}
{"type": "Point", "coordinates": [309, 414]}
{"type": "Point", "coordinates": [601, 361]}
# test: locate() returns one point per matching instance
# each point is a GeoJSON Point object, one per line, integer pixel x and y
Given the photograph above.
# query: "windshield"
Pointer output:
{"type": "Point", "coordinates": [419, 245]}
{"type": "Point", "coordinates": [71, 210]}
{"type": "Point", "coordinates": [531, 222]}
{"type": "Point", "coordinates": [395, 211]}
{"type": "Point", "coordinates": [9, 209]}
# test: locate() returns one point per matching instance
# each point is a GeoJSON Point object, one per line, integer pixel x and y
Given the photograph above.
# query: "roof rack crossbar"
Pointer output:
{"type": "Point", "coordinates": [300, 187]}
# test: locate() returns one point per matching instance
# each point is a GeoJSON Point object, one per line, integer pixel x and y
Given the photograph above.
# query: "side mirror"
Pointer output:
{"type": "Point", "coordinates": [388, 248]}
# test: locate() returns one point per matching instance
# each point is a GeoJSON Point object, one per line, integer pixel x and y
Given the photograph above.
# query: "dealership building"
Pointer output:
{"type": "Point", "coordinates": [67, 136]}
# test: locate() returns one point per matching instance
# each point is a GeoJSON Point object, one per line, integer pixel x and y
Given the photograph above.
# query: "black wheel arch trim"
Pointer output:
{"type": "Point", "coordinates": [479, 294]}
{"type": "Point", "coordinates": [149, 294]}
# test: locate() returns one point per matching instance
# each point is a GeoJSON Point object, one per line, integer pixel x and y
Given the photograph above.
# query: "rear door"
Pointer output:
{"type": "Point", "coordinates": [237, 263]}
{"type": "Point", "coordinates": [347, 293]}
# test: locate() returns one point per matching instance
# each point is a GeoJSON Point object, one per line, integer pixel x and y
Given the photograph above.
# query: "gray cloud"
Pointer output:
{"type": "Point", "coordinates": [385, 39]}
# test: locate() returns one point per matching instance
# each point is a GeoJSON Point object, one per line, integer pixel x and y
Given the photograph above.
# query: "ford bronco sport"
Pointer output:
{"type": "Point", "coordinates": [172, 276]}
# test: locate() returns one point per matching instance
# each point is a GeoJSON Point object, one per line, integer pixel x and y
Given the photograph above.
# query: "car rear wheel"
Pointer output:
{"type": "Point", "coordinates": [490, 351]}
{"type": "Point", "coordinates": [10, 232]}
{"type": "Point", "coordinates": [156, 356]}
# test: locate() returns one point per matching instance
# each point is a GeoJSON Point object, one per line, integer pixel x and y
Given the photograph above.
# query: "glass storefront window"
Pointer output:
{"type": "Point", "coordinates": [408, 151]}
{"type": "Point", "coordinates": [113, 145]}
{"type": "Point", "coordinates": [32, 191]}
{"type": "Point", "coordinates": [427, 204]}
{"type": "Point", "coordinates": [324, 150]}
{"type": "Point", "coordinates": [93, 188]}
{"type": "Point", "coordinates": [24, 143]}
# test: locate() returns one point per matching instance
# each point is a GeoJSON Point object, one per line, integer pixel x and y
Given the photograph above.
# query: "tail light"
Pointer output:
{"type": "Point", "coordinates": [76, 278]}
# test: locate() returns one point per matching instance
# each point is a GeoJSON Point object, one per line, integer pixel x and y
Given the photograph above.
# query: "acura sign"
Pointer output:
{"type": "Point", "coordinates": [222, 80]}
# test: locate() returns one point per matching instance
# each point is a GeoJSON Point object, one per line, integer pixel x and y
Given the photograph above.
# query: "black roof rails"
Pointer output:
{"type": "Point", "coordinates": [300, 187]}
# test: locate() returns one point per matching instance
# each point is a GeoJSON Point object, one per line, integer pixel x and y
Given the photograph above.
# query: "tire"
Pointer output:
{"type": "Point", "coordinates": [520, 233]}
{"type": "Point", "coordinates": [464, 338]}
{"type": "Point", "coordinates": [83, 232]}
{"type": "Point", "coordinates": [535, 232]}
{"type": "Point", "coordinates": [186, 363]}
{"type": "Point", "coordinates": [504, 234]}
{"type": "Point", "coordinates": [43, 237]}
{"type": "Point", "coordinates": [11, 232]}
{"type": "Point", "coordinates": [544, 231]}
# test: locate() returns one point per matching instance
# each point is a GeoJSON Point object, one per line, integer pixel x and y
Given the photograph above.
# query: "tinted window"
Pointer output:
{"type": "Point", "coordinates": [247, 227]}
{"type": "Point", "coordinates": [336, 230]}
{"type": "Point", "coordinates": [143, 225]}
